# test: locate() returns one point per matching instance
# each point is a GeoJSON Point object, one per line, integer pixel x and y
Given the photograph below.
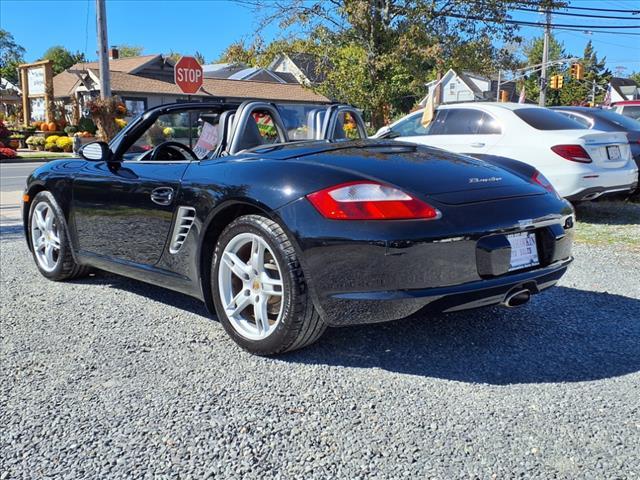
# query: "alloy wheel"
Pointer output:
{"type": "Point", "coordinates": [45, 236]}
{"type": "Point", "coordinates": [251, 286]}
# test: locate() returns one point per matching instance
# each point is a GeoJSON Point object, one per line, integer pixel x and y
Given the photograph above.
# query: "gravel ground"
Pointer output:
{"type": "Point", "coordinates": [108, 377]}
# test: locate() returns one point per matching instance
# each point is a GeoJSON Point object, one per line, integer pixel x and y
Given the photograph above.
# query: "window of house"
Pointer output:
{"type": "Point", "coordinates": [135, 105]}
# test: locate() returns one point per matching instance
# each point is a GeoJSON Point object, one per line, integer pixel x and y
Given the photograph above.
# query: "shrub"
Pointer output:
{"type": "Point", "coordinates": [70, 130]}
{"type": "Point", "coordinates": [87, 125]}
{"type": "Point", "coordinates": [52, 138]}
{"type": "Point", "coordinates": [65, 144]}
{"type": "Point", "coordinates": [121, 123]}
{"type": "Point", "coordinates": [4, 131]}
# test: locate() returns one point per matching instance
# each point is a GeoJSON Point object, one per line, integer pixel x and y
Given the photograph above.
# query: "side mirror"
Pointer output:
{"type": "Point", "coordinates": [382, 132]}
{"type": "Point", "coordinates": [96, 152]}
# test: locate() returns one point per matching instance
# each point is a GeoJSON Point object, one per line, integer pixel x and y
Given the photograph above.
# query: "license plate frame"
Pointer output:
{"type": "Point", "coordinates": [611, 156]}
{"type": "Point", "coordinates": [524, 250]}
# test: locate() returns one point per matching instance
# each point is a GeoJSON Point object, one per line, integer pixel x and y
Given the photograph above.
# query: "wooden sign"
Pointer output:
{"type": "Point", "coordinates": [36, 80]}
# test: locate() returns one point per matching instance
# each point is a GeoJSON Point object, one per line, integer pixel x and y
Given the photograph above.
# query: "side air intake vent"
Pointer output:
{"type": "Point", "coordinates": [184, 222]}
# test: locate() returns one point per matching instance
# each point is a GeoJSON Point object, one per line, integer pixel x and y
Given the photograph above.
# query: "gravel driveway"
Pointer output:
{"type": "Point", "coordinates": [108, 377]}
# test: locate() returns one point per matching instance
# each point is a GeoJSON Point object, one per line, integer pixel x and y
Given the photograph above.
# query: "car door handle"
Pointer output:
{"type": "Point", "coordinates": [162, 195]}
{"type": "Point", "coordinates": [477, 145]}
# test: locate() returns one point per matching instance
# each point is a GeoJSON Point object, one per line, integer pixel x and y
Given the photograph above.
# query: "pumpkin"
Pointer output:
{"type": "Point", "coordinates": [37, 125]}
{"type": "Point", "coordinates": [52, 127]}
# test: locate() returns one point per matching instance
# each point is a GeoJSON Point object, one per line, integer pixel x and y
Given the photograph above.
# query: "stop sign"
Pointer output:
{"type": "Point", "coordinates": [187, 75]}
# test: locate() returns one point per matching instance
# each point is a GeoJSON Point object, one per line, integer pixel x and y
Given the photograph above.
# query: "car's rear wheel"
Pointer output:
{"type": "Point", "coordinates": [259, 290]}
{"type": "Point", "coordinates": [49, 242]}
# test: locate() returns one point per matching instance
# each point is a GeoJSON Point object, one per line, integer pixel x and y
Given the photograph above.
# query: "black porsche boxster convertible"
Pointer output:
{"type": "Point", "coordinates": [285, 219]}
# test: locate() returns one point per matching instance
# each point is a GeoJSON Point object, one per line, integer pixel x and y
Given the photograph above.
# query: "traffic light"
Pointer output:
{"type": "Point", "coordinates": [556, 82]}
{"type": "Point", "coordinates": [577, 71]}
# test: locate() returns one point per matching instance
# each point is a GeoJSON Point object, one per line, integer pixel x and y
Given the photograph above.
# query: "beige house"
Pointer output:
{"type": "Point", "coordinates": [147, 81]}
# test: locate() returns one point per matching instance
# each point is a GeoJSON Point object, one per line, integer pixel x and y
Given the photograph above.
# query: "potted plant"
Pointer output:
{"type": "Point", "coordinates": [70, 130]}
{"type": "Point", "coordinates": [30, 142]}
{"type": "Point", "coordinates": [16, 141]}
{"type": "Point", "coordinates": [38, 143]}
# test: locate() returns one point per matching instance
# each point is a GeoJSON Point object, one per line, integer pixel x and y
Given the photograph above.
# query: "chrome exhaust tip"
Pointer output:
{"type": "Point", "coordinates": [517, 298]}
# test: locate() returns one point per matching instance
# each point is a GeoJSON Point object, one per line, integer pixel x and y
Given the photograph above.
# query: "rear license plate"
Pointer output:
{"type": "Point", "coordinates": [613, 152]}
{"type": "Point", "coordinates": [524, 251]}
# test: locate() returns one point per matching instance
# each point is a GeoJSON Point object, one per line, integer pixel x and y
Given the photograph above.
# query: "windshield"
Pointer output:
{"type": "Point", "coordinates": [545, 119]}
{"type": "Point", "coordinates": [620, 120]}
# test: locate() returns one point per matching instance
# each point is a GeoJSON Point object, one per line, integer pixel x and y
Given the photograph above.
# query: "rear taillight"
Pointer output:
{"type": "Point", "coordinates": [370, 201]}
{"type": "Point", "coordinates": [575, 153]}
{"type": "Point", "coordinates": [541, 180]}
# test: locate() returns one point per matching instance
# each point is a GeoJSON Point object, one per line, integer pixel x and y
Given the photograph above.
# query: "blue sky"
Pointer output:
{"type": "Point", "coordinates": [208, 26]}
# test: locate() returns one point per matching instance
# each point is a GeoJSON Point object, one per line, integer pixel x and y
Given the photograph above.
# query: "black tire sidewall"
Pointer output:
{"type": "Point", "coordinates": [283, 335]}
{"type": "Point", "coordinates": [58, 272]}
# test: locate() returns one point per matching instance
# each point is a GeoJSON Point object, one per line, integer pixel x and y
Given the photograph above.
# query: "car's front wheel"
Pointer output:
{"type": "Point", "coordinates": [259, 290]}
{"type": "Point", "coordinates": [49, 243]}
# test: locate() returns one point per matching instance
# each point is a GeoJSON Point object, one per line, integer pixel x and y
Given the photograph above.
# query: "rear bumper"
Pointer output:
{"type": "Point", "coordinates": [368, 272]}
{"type": "Point", "coordinates": [588, 182]}
{"type": "Point", "coordinates": [371, 307]}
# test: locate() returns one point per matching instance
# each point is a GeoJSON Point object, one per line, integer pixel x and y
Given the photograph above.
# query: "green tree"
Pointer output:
{"type": "Point", "coordinates": [635, 76]}
{"type": "Point", "coordinates": [175, 56]}
{"type": "Point", "coordinates": [11, 55]}
{"type": "Point", "coordinates": [392, 47]}
{"type": "Point", "coordinates": [533, 55]}
{"type": "Point", "coordinates": [238, 52]}
{"type": "Point", "coordinates": [125, 50]}
{"type": "Point", "coordinates": [61, 58]}
{"type": "Point", "coordinates": [575, 92]}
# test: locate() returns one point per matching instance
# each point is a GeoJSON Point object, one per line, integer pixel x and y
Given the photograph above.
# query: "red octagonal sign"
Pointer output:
{"type": "Point", "coordinates": [187, 75]}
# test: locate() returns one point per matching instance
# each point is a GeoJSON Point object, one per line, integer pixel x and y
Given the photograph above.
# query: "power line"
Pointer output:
{"type": "Point", "coordinates": [601, 9]}
{"type": "Point", "coordinates": [525, 9]}
{"type": "Point", "coordinates": [523, 22]}
{"type": "Point", "coordinates": [588, 30]}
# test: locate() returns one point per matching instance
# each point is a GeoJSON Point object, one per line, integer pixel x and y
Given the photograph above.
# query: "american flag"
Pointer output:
{"type": "Point", "coordinates": [607, 97]}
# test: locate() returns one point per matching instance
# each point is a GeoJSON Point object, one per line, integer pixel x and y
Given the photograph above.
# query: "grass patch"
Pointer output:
{"type": "Point", "coordinates": [609, 223]}
{"type": "Point", "coordinates": [47, 155]}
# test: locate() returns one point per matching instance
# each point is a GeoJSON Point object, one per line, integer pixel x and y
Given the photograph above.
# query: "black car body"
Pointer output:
{"type": "Point", "coordinates": [159, 221]}
{"type": "Point", "coordinates": [607, 121]}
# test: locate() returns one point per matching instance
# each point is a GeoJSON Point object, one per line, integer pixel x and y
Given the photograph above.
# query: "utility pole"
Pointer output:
{"type": "Point", "coordinates": [103, 54]}
{"type": "Point", "coordinates": [545, 58]}
{"type": "Point", "coordinates": [593, 94]}
{"type": "Point", "coordinates": [498, 89]}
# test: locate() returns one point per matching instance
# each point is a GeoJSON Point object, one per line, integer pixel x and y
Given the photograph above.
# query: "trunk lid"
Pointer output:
{"type": "Point", "coordinates": [425, 171]}
{"type": "Point", "coordinates": [606, 149]}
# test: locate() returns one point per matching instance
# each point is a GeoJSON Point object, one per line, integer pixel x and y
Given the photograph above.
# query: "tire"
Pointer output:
{"type": "Point", "coordinates": [293, 321]}
{"type": "Point", "coordinates": [63, 266]}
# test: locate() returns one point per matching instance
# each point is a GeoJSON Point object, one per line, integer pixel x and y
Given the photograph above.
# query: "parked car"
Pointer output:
{"type": "Point", "coordinates": [607, 121]}
{"type": "Point", "coordinates": [628, 108]}
{"type": "Point", "coordinates": [581, 164]}
{"type": "Point", "coordinates": [281, 238]}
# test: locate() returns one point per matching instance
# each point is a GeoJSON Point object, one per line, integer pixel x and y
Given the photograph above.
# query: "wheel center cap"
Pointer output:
{"type": "Point", "coordinates": [256, 284]}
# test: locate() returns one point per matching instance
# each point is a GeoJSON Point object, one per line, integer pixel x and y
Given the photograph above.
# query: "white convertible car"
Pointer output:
{"type": "Point", "coordinates": [581, 164]}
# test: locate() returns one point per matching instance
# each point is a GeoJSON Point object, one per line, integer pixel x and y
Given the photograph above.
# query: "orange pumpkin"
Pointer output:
{"type": "Point", "coordinates": [52, 127]}
{"type": "Point", "coordinates": [37, 125]}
